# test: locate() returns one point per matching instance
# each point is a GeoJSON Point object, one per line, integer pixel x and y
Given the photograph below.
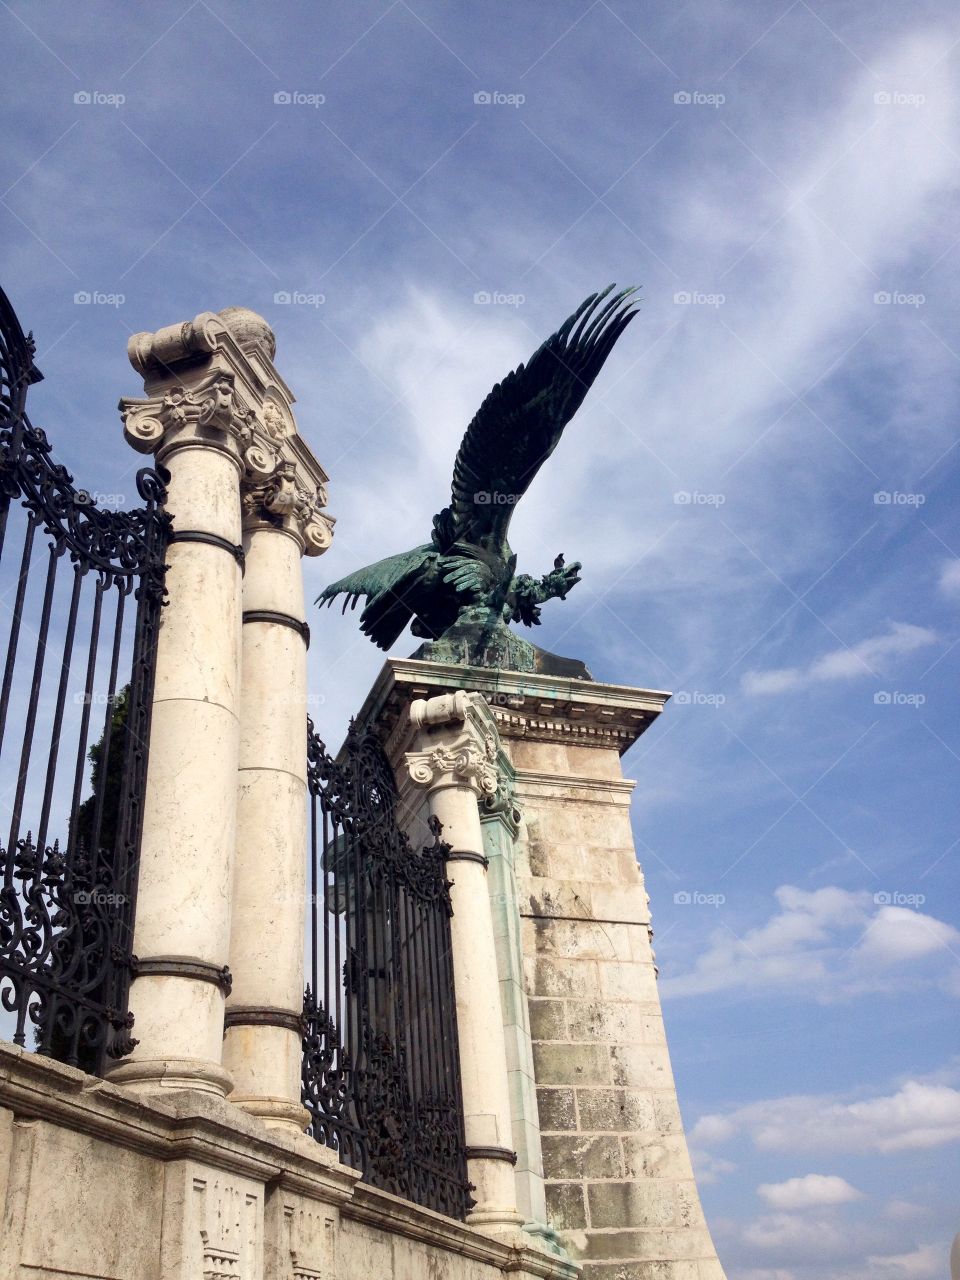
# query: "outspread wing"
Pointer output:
{"type": "Point", "coordinates": [521, 421]}
{"type": "Point", "coordinates": [389, 587]}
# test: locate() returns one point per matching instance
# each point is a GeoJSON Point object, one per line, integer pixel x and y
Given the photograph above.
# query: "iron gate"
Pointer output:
{"type": "Point", "coordinates": [81, 616]}
{"type": "Point", "coordinates": [381, 1069]}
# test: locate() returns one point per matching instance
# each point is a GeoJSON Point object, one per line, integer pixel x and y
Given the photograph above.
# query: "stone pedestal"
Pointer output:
{"type": "Point", "coordinates": [618, 1181]}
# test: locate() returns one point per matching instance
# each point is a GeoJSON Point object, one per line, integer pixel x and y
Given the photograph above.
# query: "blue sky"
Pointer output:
{"type": "Point", "coordinates": [761, 485]}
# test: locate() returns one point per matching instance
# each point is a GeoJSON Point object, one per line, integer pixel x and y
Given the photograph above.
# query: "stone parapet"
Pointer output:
{"type": "Point", "coordinates": [100, 1182]}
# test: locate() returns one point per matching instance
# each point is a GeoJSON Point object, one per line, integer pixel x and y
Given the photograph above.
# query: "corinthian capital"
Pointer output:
{"type": "Point", "coordinates": [457, 744]}
{"type": "Point", "coordinates": [283, 500]}
{"type": "Point", "coordinates": [212, 383]}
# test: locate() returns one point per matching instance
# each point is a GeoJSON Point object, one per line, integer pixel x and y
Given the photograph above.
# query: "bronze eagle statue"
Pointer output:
{"type": "Point", "coordinates": [461, 588]}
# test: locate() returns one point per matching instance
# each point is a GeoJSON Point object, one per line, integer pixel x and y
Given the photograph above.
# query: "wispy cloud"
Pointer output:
{"type": "Point", "coordinates": [827, 945]}
{"type": "Point", "coordinates": [919, 1116]}
{"type": "Point", "coordinates": [950, 579]}
{"type": "Point", "coordinates": [847, 663]}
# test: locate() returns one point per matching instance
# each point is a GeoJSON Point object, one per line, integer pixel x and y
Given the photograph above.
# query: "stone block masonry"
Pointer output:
{"type": "Point", "coordinates": [613, 1160]}
{"type": "Point", "coordinates": [619, 1184]}
{"type": "Point", "coordinates": [101, 1182]}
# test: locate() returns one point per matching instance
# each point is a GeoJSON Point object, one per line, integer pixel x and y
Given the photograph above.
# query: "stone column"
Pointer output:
{"type": "Point", "coordinates": [454, 761]}
{"type": "Point", "coordinates": [214, 417]}
{"type": "Point", "coordinates": [500, 820]}
{"type": "Point", "coordinates": [262, 1038]}
{"type": "Point", "coordinates": [186, 857]}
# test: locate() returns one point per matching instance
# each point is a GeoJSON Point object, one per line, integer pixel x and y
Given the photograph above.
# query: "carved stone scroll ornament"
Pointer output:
{"type": "Point", "coordinates": [466, 747]}
{"type": "Point", "coordinates": [282, 499]}
{"type": "Point", "coordinates": [272, 487]}
{"type": "Point", "coordinates": [463, 760]}
{"type": "Point", "coordinates": [503, 804]}
{"type": "Point", "coordinates": [211, 404]}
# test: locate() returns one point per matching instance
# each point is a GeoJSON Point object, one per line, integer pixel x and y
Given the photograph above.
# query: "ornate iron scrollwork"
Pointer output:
{"type": "Point", "coordinates": [60, 947]}
{"type": "Point", "coordinates": [67, 909]}
{"type": "Point", "coordinates": [381, 1074]}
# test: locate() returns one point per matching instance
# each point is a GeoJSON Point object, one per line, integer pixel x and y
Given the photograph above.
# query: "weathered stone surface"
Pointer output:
{"type": "Point", "coordinates": [647, 1271]}
{"type": "Point", "coordinates": [96, 1189]}
{"type": "Point", "coordinates": [617, 1110]}
{"type": "Point", "coordinates": [633, 1204]}
{"type": "Point", "coordinates": [616, 1022]}
{"type": "Point", "coordinates": [579, 862]}
{"type": "Point", "coordinates": [631, 1245]}
{"type": "Point", "coordinates": [655, 1155]}
{"type": "Point", "coordinates": [547, 1020]}
{"type": "Point", "coordinates": [571, 1063]}
{"type": "Point", "coordinates": [626, 902]}
{"type": "Point", "coordinates": [542, 897]}
{"type": "Point", "coordinates": [587, 940]}
{"type": "Point", "coordinates": [97, 1182]}
{"type": "Point", "coordinates": [641, 1066]}
{"type": "Point", "coordinates": [624, 980]}
{"type": "Point", "coordinates": [565, 1204]}
{"type": "Point", "coordinates": [667, 1111]}
{"type": "Point", "coordinates": [560, 977]}
{"type": "Point", "coordinates": [557, 1109]}
{"type": "Point", "coordinates": [581, 1156]}
{"type": "Point", "coordinates": [577, 939]}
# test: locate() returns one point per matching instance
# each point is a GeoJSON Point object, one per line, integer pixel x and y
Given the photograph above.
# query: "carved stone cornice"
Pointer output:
{"type": "Point", "coordinates": [211, 382]}
{"type": "Point", "coordinates": [457, 744]}
{"type": "Point", "coordinates": [523, 706]}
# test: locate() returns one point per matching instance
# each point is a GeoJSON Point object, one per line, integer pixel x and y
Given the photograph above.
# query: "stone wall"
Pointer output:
{"type": "Point", "coordinates": [99, 1183]}
{"type": "Point", "coordinates": [619, 1183]}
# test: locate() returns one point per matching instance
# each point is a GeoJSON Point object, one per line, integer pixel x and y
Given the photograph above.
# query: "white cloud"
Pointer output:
{"type": "Point", "coordinates": [803, 1235]}
{"type": "Point", "coordinates": [903, 1210]}
{"type": "Point", "coordinates": [919, 1116]}
{"type": "Point", "coordinates": [715, 1129]}
{"type": "Point", "coordinates": [708, 1167]}
{"type": "Point", "coordinates": [827, 944]}
{"type": "Point", "coordinates": [847, 663]}
{"type": "Point", "coordinates": [924, 1263]}
{"type": "Point", "coordinates": [811, 1191]}
{"type": "Point", "coordinates": [830, 1245]}
{"type": "Point", "coordinates": [897, 934]}
{"type": "Point", "coordinates": [950, 579]}
{"type": "Point", "coordinates": [766, 1273]}
{"type": "Point", "coordinates": [777, 680]}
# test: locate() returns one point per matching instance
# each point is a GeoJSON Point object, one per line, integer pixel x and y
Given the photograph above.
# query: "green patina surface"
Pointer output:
{"type": "Point", "coordinates": [460, 591]}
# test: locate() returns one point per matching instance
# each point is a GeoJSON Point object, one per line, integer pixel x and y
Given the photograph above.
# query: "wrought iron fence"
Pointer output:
{"type": "Point", "coordinates": [80, 598]}
{"type": "Point", "coordinates": [381, 1071]}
